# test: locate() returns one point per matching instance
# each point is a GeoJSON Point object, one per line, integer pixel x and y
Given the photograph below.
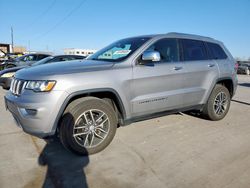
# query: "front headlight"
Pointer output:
{"type": "Point", "coordinates": [40, 86]}
{"type": "Point", "coordinates": [8, 75]}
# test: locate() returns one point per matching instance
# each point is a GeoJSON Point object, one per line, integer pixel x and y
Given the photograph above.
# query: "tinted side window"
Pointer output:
{"type": "Point", "coordinates": [60, 58]}
{"type": "Point", "coordinates": [56, 59]}
{"type": "Point", "coordinates": [67, 58]}
{"type": "Point", "coordinates": [193, 50]}
{"type": "Point", "coordinates": [41, 57]}
{"type": "Point", "coordinates": [78, 57]}
{"type": "Point", "coordinates": [75, 58]}
{"type": "Point", "coordinates": [216, 51]}
{"type": "Point", "coordinates": [167, 48]}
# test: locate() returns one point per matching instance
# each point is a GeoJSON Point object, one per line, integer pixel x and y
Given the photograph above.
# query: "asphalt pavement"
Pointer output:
{"type": "Point", "coordinates": [174, 151]}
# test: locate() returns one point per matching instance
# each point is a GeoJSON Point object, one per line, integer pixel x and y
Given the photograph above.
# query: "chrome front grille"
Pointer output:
{"type": "Point", "coordinates": [17, 86]}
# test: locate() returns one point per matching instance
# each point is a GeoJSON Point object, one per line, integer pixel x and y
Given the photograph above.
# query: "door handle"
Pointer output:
{"type": "Point", "coordinates": [177, 68]}
{"type": "Point", "coordinates": [211, 65]}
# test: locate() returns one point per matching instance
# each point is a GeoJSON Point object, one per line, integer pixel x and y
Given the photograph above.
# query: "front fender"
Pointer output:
{"type": "Point", "coordinates": [73, 95]}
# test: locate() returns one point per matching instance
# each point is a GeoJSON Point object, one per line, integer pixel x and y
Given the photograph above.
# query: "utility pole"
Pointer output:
{"type": "Point", "coordinates": [12, 43]}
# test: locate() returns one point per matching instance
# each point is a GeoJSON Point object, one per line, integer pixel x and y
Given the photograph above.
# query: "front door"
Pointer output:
{"type": "Point", "coordinates": [158, 86]}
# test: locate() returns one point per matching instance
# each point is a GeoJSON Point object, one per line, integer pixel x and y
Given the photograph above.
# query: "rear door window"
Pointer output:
{"type": "Point", "coordinates": [216, 51]}
{"type": "Point", "coordinates": [193, 50]}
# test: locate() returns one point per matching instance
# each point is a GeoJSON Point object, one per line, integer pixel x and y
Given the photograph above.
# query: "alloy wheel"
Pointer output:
{"type": "Point", "coordinates": [220, 103]}
{"type": "Point", "coordinates": [91, 128]}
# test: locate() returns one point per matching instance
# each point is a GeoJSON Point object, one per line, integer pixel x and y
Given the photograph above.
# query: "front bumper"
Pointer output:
{"type": "Point", "coordinates": [36, 113]}
{"type": "Point", "coordinates": [5, 82]}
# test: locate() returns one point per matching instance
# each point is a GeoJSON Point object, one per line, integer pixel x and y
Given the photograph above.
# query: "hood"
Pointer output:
{"type": "Point", "coordinates": [14, 69]}
{"type": "Point", "coordinates": [60, 68]}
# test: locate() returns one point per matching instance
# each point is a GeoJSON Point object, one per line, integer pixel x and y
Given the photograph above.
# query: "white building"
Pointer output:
{"type": "Point", "coordinates": [75, 51]}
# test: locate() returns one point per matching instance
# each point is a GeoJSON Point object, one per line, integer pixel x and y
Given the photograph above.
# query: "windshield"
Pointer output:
{"type": "Point", "coordinates": [43, 61]}
{"type": "Point", "coordinates": [119, 50]}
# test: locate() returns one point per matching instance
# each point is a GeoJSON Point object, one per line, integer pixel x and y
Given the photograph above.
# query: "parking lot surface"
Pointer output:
{"type": "Point", "coordinates": [177, 150]}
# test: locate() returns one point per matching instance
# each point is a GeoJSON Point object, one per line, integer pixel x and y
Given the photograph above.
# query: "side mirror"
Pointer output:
{"type": "Point", "coordinates": [151, 56]}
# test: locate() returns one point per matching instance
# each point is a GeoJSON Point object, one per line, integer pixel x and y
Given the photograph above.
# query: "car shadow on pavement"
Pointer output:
{"type": "Point", "coordinates": [64, 168]}
{"type": "Point", "coordinates": [241, 102]}
{"type": "Point", "coordinates": [195, 114]}
{"type": "Point", "coordinates": [244, 84]}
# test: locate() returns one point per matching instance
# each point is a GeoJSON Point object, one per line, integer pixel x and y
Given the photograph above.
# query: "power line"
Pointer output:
{"type": "Point", "coordinates": [63, 19]}
{"type": "Point", "coordinates": [43, 13]}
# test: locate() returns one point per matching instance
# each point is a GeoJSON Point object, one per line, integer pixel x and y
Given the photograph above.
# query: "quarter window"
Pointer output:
{"type": "Point", "coordinates": [193, 50]}
{"type": "Point", "coordinates": [216, 51]}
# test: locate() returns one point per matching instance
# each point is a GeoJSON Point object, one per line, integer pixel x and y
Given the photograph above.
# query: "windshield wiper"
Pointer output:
{"type": "Point", "coordinates": [98, 59]}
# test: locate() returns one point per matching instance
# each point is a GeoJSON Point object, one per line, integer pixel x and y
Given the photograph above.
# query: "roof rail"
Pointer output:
{"type": "Point", "coordinates": [185, 34]}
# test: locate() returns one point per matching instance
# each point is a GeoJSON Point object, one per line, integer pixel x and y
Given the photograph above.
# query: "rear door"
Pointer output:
{"type": "Point", "coordinates": [200, 71]}
{"type": "Point", "coordinates": [158, 86]}
{"type": "Point", "coordinates": [226, 66]}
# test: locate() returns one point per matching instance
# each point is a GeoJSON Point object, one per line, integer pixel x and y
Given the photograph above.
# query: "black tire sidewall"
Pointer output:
{"type": "Point", "coordinates": [68, 121]}
{"type": "Point", "coordinates": [210, 104]}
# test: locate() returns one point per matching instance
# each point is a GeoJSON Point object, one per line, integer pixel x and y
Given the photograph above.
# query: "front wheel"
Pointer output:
{"type": "Point", "coordinates": [218, 103]}
{"type": "Point", "coordinates": [88, 125]}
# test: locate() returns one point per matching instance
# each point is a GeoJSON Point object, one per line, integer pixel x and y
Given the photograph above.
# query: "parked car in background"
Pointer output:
{"type": "Point", "coordinates": [243, 68]}
{"type": "Point", "coordinates": [7, 57]}
{"type": "Point", "coordinates": [24, 60]}
{"type": "Point", "coordinates": [6, 75]}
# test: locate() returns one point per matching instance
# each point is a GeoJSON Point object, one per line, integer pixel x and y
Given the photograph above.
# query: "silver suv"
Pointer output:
{"type": "Point", "coordinates": [83, 102]}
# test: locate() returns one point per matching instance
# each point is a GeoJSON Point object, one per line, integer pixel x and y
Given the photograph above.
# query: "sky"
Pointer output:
{"type": "Point", "coordinates": [52, 25]}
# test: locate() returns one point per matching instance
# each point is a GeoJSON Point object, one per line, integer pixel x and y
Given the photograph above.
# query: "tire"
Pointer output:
{"type": "Point", "coordinates": [218, 103]}
{"type": "Point", "coordinates": [98, 123]}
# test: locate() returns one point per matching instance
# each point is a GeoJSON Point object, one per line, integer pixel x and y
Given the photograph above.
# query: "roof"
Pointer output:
{"type": "Point", "coordinates": [190, 36]}
{"type": "Point", "coordinates": [182, 35]}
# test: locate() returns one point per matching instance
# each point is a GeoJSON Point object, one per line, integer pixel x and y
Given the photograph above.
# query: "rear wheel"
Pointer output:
{"type": "Point", "coordinates": [88, 125]}
{"type": "Point", "coordinates": [218, 103]}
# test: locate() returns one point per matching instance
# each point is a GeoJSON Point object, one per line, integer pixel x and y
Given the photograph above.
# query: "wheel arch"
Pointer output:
{"type": "Point", "coordinates": [228, 83]}
{"type": "Point", "coordinates": [99, 93]}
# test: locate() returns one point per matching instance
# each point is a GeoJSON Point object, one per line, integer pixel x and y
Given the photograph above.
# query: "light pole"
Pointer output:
{"type": "Point", "coordinates": [12, 42]}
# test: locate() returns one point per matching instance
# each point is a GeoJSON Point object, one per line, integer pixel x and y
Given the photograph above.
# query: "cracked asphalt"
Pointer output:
{"type": "Point", "coordinates": [175, 151]}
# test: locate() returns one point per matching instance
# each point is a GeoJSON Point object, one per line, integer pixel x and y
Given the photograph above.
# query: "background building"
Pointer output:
{"type": "Point", "coordinates": [7, 48]}
{"type": "Point", "coordinates": [75, 51]}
